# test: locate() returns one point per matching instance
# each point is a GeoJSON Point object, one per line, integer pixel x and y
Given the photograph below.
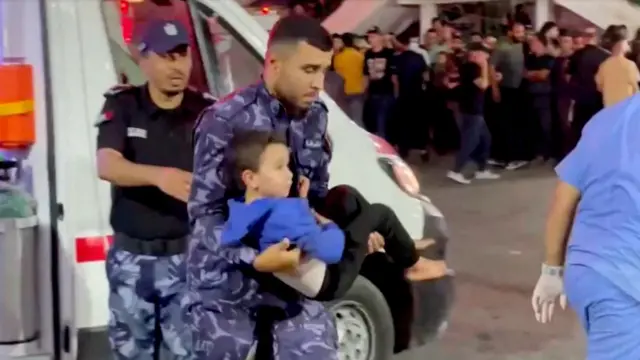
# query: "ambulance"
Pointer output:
{"type": "Point", "coordinates": [71, 52]}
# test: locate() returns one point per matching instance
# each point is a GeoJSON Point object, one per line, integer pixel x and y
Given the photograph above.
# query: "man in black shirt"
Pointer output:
{"type": "Point", "coordinates": [582, 69]}
{"type": "Point", "coordinates": [382, 83]}
{"type": "Point", "coordinates": [410, 125]}
{"type": "Point", "coordinates": [561, 98]}
{"type": "Point", "coordinates": [145, 151]}
{"type": "Point", "coordinates": [475, 139]}
{"type": "Point", "coordinates": [538, 67]}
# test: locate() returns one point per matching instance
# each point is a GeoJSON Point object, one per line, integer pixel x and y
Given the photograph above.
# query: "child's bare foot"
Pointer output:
{"type": "Point", "coordinates": [425, 269]}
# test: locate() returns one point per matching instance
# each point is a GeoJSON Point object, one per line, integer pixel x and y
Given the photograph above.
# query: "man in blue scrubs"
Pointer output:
{"type": "Point", "coordinates": [596, 210]}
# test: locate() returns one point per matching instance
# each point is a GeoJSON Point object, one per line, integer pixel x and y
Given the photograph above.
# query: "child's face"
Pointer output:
{"type": "Point", "coordinates": [273, 178]}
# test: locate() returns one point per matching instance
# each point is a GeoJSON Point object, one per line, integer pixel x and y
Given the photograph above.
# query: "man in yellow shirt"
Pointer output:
{"type": "Point", "coordinates": [349, 64]}
{"type": "Point", "coordinates": [617, 77]}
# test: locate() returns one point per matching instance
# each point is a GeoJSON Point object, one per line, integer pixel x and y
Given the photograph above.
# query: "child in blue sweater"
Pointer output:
{"type": "Point", "coordinates": [265, 216]}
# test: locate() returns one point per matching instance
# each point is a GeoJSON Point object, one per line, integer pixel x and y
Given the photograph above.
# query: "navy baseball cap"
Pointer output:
{"type": "Point", "coordinates": [163, 36]}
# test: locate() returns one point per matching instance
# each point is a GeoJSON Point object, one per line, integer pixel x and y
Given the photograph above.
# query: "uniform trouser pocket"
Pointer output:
{"type": "Point", "coordinates": [144, 305]}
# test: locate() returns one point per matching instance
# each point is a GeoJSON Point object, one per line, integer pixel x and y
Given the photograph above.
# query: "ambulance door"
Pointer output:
{"type": "Point", "coordinates": [79, 71]}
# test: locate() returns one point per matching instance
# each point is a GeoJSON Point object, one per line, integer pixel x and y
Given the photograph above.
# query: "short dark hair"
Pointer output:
{"type": "Point", "coordinates": [300, 28]}
{"type": "Point", "coordinates": [336, 36]}
{"type": "Point", "coordinates": [244, 152]}
{"type": "Point", "coordinates": [613, 35]}
{"type": "Point", "coordinates": [348, 39]}
{"type": "Point", "coordinates": [404, 38]}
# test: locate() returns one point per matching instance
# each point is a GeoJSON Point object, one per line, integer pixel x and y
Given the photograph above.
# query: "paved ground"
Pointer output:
{"type": "Point", "coordinates": [496, 251]}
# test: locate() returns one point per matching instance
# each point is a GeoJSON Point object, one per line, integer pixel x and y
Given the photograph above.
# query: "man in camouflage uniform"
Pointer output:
{"type": "Point", "coordinates": [145, 151]}
{"type": "Point", "coordinates": [220, 293]}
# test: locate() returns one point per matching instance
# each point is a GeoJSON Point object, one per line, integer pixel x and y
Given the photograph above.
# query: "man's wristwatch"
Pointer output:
{"type": "Point", "coordinates": [552, 270]}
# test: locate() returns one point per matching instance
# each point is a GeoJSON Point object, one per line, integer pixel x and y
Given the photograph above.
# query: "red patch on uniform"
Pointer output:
{"type": "Point", "coordinates": [107, 115]}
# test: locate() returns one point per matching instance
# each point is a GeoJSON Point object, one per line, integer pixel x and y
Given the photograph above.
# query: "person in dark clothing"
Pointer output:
{"type": "Point", "coordinates": [475, 137]}
{"type": "Point", "coordinates": [443, 79]}
{"type": "Point", "coordinates": [411, 127]}
{"type": "Point", "coordinates": [381, 84]}
{"type": "Point", "coordinates": [508, 60]}
{"type": "Point", "coordinates": [561, 97]}
{"type": "Point", "coordinates": [537, 73]}
{"type": "Point", "coordinates": [582, 69]}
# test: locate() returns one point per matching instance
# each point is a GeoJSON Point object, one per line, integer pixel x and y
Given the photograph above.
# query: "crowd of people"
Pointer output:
{"type": "Point", "coordinates": [499, 100]}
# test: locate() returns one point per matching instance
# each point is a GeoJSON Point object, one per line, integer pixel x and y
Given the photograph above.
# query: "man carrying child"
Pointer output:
{"type": "Point", "coordinates": [229, 285]}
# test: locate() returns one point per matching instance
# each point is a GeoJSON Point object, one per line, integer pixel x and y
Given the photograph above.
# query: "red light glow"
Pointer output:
{"type": "Point", "coordinates": [126, 22]}
{"type": "Point", "coordinates": [265, 10]}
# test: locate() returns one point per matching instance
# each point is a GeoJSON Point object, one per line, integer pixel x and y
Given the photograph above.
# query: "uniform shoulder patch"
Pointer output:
{"type": "Point", "coordinates": [104, 117]}
{"type": "Point", "coordinates": [235, 103]}
{"type": "Point", "coordinates": [117, 89]}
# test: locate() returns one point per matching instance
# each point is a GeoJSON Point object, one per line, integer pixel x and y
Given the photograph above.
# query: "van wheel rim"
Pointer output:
{"type": "Point", "coordinates": [355, 331]}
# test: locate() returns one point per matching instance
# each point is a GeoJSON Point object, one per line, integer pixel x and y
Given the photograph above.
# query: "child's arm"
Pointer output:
{"type": "Point", "coordinates": [293, 219]}
{"type": "Point", "coordinates": [326, 245]}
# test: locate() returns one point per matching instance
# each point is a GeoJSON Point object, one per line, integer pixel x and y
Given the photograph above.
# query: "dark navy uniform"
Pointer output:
{"type": "Point", "coordinates": [219, 295]}
{"type": "Point", "coordinates": [145, 267]}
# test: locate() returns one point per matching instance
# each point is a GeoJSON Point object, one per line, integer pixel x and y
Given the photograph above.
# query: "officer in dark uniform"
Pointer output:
{"type": "Point", "coordinates": [145, 151]}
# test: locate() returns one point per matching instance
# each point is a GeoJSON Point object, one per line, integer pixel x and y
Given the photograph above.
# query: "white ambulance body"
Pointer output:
{"type": "Point", "coordinates": [78, 49]}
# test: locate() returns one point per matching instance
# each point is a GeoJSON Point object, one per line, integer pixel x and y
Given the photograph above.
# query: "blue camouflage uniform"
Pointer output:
{"type": "Point", "coordinates": [221, 298]}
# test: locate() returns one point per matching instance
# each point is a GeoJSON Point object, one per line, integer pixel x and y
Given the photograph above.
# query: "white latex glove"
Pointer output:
{"type": "Point", "coordinates": [550, 287]}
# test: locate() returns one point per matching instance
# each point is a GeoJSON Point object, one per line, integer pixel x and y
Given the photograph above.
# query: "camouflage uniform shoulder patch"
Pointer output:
{"type": "Point", "coordinates": [234, 103]}
{"type": "Point", "coordinates": [119, 89]}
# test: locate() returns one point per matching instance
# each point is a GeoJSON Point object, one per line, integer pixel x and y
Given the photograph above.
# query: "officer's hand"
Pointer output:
{"type": "Point", "coordinates": [278, 258]}
{"type": "Point", "coordinates": [175, 182]}
{"type": "Point", "coordinates": [303, 186]}
{"type": "Point", "coordinates": [548, 290]}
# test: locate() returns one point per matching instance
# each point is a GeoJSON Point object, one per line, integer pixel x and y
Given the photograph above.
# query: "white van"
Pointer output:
{"type": "Point", "coordinates": [78, 49]}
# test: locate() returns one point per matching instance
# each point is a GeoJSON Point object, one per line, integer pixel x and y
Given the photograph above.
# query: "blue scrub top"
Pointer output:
{"type": "Point", "coordinates": [605, 168]}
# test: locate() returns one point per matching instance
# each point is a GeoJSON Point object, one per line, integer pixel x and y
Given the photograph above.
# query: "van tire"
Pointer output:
{"type": "Point", "coordinates": [365, 305]}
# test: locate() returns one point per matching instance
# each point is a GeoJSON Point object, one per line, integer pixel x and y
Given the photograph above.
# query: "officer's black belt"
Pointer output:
{"type": "Point", "coordinates": [153, 247]}
{"type": "Point", "coordinates": [266, 318]}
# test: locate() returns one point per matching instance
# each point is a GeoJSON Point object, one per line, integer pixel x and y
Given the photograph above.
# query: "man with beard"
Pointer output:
{"type": "Point", "coordinates": [225, 318]}
{"type": "Point", "coordinates": [145, 151]}
{"type": "Point", "coordinates": [508, 60]}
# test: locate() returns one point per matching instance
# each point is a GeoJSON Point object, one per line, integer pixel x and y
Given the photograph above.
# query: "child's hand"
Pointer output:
{"type": "Point", "coordinates": [278, 258]}
{"type": "Point", "coordinates": [321, 219]}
